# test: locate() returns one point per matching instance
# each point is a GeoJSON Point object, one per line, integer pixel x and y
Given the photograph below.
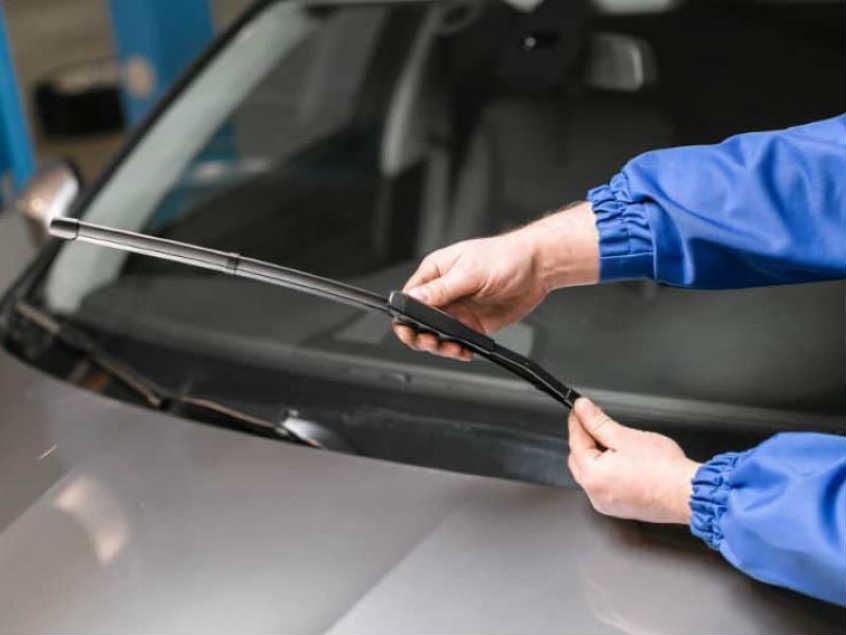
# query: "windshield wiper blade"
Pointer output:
{"type": "Point", "coordinates": [398, 306]}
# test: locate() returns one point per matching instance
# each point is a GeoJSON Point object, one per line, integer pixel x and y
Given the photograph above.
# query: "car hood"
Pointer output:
{"type": "Point", "coordinates": [114, 518]}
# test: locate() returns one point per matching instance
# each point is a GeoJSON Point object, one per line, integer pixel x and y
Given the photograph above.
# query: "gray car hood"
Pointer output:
{"type": "Point", "coordinates": [119, 519]}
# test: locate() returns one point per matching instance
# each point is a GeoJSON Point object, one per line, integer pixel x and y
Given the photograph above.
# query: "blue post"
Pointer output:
{"type": "Point", "coordinates": [155, 41]}
{"type": "Point", "coordinates": [16, 158]}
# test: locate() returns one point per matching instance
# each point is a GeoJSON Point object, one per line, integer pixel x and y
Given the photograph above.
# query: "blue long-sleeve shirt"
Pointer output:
{"type": "Point", "coordinates": [778, 511]}
{"type": "Point", "coordinates": [757, 209]}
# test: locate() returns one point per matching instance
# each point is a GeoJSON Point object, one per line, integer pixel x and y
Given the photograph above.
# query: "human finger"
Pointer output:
{"type": "Point", "coordinates": [599, 425]}
{"type": "Point", "coordinates": [451, 286]}
{"type": "Point", "coordinates": [583, 447]}
{"type": "Point", "coordinates": [427, 342]}
{"type": "Point", "coordinates": [427, 270]}
{"type": "Point", "coordinates": [432, 266]}
{"type": "Point", "coordinates": [449, 349]}
{"type": "Point", "coordinates": [406, 335]}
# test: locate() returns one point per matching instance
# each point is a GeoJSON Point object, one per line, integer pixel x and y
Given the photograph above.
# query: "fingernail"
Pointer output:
{"type": "Point", "coordinates": [419, 293]}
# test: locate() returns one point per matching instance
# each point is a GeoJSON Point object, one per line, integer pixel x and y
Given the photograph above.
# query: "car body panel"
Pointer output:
{"type": "Point", "coordinates": [16, 247]}
{"type": "Point", "coordinates": [117, 518]}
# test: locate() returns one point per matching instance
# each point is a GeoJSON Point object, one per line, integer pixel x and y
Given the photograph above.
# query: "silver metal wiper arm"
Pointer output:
{"type": "Point", "coordinates": [231, 263]}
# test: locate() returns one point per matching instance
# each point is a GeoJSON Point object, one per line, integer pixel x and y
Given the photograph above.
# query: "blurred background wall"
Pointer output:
{"type": "Point", "coordinates": [46, 35]}
{"type": "Point", "coordinates": [55, 43]}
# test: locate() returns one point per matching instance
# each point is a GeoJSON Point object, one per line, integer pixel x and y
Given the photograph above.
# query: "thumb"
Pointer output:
{"type": "Point", "coordinates": [598, 424]}
{"type": "Point", "coordinates": [440, 292]}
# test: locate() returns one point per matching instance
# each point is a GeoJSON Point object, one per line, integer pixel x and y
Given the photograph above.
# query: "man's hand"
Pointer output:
{"type": "Point", "coordinates": [626, 472]}
{"type": "Point", "coordinates": [486, 283]}
{"type": "Point", "coordinates": [489, 283]}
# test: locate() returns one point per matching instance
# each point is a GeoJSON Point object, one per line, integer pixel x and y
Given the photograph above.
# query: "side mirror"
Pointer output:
{"type": "Point", "coordinates": [48, 194]}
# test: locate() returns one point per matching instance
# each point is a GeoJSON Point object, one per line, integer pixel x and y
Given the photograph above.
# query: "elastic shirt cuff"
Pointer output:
{"type": "Point", "coordinates": [626, 249]}
{"type": "Point", "coordinates": [711, 488]}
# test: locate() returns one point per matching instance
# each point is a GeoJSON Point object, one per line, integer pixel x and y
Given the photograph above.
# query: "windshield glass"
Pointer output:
{"type": "Point", "coordinates": [351, 140]}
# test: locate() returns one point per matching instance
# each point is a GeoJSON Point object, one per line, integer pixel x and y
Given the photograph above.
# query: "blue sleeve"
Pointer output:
{"type": "Point", "coordinates": [778, 512]}
{"type": "Point", "coordinates": [760, 208]}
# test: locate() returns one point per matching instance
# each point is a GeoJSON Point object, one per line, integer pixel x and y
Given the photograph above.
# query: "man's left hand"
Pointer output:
{"type": "Point", "coordinates": [626, 472]}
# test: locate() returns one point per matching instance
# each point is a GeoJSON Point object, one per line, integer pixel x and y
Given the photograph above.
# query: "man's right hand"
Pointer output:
{"type": "Point", "coordinates": [489, 283]}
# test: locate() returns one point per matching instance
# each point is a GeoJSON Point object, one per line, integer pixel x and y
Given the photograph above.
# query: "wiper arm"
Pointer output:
{"type": "Point", "coordinates": [81, 342]}
{"type": "Point", "coordinates": [156, 396]}
{"type": "Point", "coordinates": [397, 305]}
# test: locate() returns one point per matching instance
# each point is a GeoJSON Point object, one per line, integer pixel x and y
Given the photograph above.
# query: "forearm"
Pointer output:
{"type": "Point", "coordinates": [759, 208]}
{"type": "Point", "coordinates": [564, 247]}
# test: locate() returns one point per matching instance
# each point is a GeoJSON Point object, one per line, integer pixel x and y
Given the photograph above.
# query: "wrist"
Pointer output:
{"type": "Point", "coordinates": [565, 247]}
{"type": "Point", "coordinates": [684, 490]}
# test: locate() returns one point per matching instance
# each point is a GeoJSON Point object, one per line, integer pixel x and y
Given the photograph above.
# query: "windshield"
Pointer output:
{"type": "Point", "coordinates": [351, 140]}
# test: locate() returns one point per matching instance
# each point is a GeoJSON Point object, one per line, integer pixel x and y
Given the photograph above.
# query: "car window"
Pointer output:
{"type": "Point", "coordinates": [351, 140]}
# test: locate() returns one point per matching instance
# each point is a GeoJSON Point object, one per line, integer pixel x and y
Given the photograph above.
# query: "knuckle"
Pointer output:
{"type": "Point", "coordinates": [590, 483]}
{"type": "Point", "coordinates": [433, 257]}
{"type": "Point", "coordinates": [597, 424]}
{"type": "Point", "coordinates": [437, 290]}
{"type": "Point", "coordinates": [601, 507]}
{"type": "Point", "coordinates": [598, 489]}
{"type": "Point", "coordinates": [601, 424]}
{"type": "Point", "coordinates": [609, 498]}
{"type": "Point", "coordinates": [603, 499]}
{"type": "Point", "coordinates": [598, 483]}
{"type": "Point", "coordinates": [427, 342]}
